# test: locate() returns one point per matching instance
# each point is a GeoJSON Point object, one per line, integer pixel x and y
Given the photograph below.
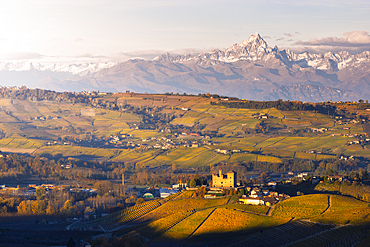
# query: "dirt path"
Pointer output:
{"type": "Point", "coordinates": [329, 203]}
{"type": "Point", "coordinates": [269, 212]}
{"type": "Point", "coordinates": [248, 212]}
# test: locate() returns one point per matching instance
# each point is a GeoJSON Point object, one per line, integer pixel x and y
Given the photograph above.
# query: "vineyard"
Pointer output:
{"type": "Point", "coordinates": [42, 121]}
{"type": "Point", "coordinates": [162, 225]}
{"type": "Point", "coordinates": [113, 221]}
{"type": "Point", "coordinates": [174, 206]}
{"type": "Point", "coordinates": [301, 206]}
{"type": "Point", "coordinates": [282, 235]}
{"type": "Point", "coordinates": [308, 220]}
{"type": "Point", "coordinates": [336, 237]}
{"type": "Point", "coordinates": [224, 221]}
{"type": "Point", "coordinates": [258, 209]}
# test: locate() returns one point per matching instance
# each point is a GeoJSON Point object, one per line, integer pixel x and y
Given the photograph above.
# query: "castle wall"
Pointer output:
{"type": "Point", "coordinates": [227, 180]}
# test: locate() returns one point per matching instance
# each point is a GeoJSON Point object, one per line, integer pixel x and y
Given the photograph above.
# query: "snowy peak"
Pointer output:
{"type": "Point", "coordinates": [252, 50]}
{"type": "Point", "coordinates": [72, 68]}
{"type": "Point", "coordinates": [255, 49]}
{"type": "Point", "coordinates": [254, 40]}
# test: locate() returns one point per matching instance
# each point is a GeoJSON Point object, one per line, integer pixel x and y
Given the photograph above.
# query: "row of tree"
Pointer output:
{"type": "Point", "coordinates": [325, 108]}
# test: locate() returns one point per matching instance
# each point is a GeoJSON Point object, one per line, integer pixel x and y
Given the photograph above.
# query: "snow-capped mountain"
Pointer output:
{"type": "Point", "coordinates": [255, 49]}
{"type": "Point", "coordinates": [250, 69]}
{"type": "Point", "coordinates": [75, 69]}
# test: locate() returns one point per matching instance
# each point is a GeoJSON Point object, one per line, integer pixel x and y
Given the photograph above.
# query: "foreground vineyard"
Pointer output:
{"type": "Point", "coordinates": [113, 221]}
{"type": "Point", "coordinates": [310, 220]}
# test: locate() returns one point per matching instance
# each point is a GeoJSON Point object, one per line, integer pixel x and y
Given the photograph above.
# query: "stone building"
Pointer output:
{"type": "Point", "coordinates": [224, 180]}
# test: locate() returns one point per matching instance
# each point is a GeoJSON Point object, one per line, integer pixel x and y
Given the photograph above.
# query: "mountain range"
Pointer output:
{"type": "Point", "coordinates": [249, 70]}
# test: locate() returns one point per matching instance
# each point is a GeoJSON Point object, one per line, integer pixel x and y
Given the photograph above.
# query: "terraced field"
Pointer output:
{"type": "Point", "coordinates": [186, 221]}
{"type": "Point", "coordinates": [345, 210]}
{"type": "Point", "coordinates": [301, 207]}
{"type": "Point", "coordinates": [45, 121]}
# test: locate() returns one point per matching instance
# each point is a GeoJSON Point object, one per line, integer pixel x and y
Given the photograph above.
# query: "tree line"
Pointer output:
{"type": "Point", "coordinates": [323, 108]}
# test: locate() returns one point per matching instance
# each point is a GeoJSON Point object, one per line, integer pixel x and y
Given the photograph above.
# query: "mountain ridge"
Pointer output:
{"type": "Point", "coordinates": [250, 69]}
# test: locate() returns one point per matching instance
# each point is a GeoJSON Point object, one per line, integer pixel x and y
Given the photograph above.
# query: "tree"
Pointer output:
{"type": "Point", "coordinates": [201, 191]}
{"type": "Point", "coordinates": [174, 167]}
{"type": "Point", "coordinates": [263, 175]}
{"type": "Point", "coordinates": [39, 206]}
{"type": "Point", "coordinates": [192, 183]}
{"type": "Point", "coordinates": [89, 210]}
{"type": "Point", "coordinates": [40, 192]}
{"type": "Point", "coordinates": [50, 209]}
{"type": "Point", "coordinates": [139, 201]}
{"type": "Point", "coordinates": [25, 207]}
{"type": "Point", "coordinates": [67, 206]}
{"type": "Point", "coordinates": [366, 197]}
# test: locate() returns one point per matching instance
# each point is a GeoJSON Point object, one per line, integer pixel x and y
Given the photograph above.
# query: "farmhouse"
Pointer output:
{"type": "Point", "coordinates": [251, 200]}
{"type": "Point", "coordinates": [269, 201]}
{"type": "Point", "coordinates": [222, 151]}
{"type": "Point", "coordinates": [224, 180]}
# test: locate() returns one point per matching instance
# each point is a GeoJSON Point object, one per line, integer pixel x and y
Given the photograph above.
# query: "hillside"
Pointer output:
{"type": "Point", "coordinates": [189, 131]}
{"type": "Point", "coordinates": [205, 221]}
{"type": "Point", "coordinates": [100, 140]}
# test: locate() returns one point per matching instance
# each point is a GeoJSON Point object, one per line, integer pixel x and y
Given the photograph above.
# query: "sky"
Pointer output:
{"type": "Point", "coordinates": [117, 30]}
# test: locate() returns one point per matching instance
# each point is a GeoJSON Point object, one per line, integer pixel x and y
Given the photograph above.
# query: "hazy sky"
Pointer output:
{"type": "Point", "coordinates": [103, 30]}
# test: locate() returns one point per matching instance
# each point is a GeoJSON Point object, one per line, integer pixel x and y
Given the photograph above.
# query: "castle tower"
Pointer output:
{"type": "Point", "coordinates": [224, 180]}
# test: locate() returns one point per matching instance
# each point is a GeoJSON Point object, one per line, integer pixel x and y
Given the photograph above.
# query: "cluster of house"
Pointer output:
{"type": "Point", "coordinates": [6, 189]}
{"type": "Point", "coordinates": [260, 116]}
{"type": "Point", "coordinates": [226, 151]}
{"type": "Point", "coordinates": [166, 143]}
{"type": "Point", "coordinates": [345, 135]}
{"type": "Point", "coordinates": [118, 139]}
{"type": "Point", "coordinates": [66, 166]}
{"type": "Point", "coordinates": [30, 190]}
{"type": "Point", "coordinates": [257, 195]}
{"type": "Point", "coordinates": [165, 192]}
{"type": "Point", "coordinates": [320, 130]}
{"type": "Point", "coordinates": [161, 192]}
{"type": "Point", "coordinates": [150, 193]}
{"type": "Point", "coordinates": [86, 93]}
{"type": "Point", "coordinates": [44, 118]}
{"type": "Point", "coordinates": [342, 157]}
{"type": "Point", "coordinates": [345, 121]}
{"type": "Point", "coordinates": [365, 141]}
{"type": "Point", "coordinates": [260, 196]}
{"type": "Point", "coordinates": [184, 134]}
{"type": "Point", "coordinates": [162, 142]}
{"type": "Point", "coordinates": [52, 143]}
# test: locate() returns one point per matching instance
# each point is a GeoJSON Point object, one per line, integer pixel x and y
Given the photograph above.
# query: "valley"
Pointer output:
{"type": "Point", "coordinates": [97, 165]}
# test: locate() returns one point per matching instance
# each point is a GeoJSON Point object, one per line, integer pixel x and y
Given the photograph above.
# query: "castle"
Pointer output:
{"type": "Point", "coordinates": [224, 180]}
